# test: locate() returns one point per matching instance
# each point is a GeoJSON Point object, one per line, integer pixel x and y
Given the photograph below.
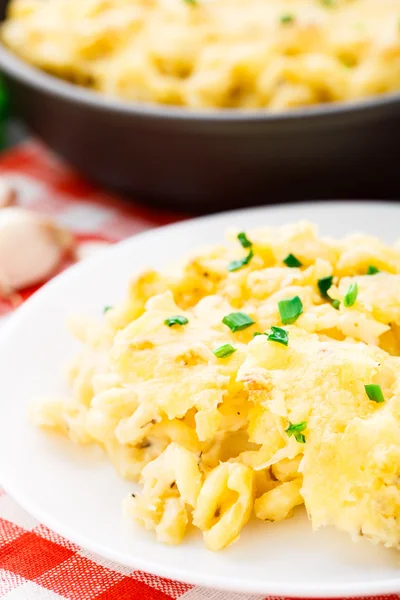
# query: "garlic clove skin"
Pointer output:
{"type": "Point", "coordinates": [8, 195]}
{"type": "Point", "coordinates": [31, 248]}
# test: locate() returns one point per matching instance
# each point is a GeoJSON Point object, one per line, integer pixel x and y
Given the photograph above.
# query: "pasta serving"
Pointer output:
{"type": "Point", "coordinates": [251, 377]}
{"type": "Point", "coordinates": [274, 54]}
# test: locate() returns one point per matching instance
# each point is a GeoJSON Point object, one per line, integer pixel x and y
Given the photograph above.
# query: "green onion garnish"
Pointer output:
{"type": "Point", "coordinates": [328, 2]}
{"type": "Point", "coordinates": [372, 270]}
{"type": "Point", "coordinates": [296, 429]}
{"type": "Point", "coordinates": [374, 392]}
{"type": "Point", "coordinates": [336, 304]}
{"type": "Point", "coordinates": [242, 237]}
{"type": "Point", "coordinates": [277, 334]}
{"type": "Point", "coordinates": [237, 321]}
{"type": "Point", "coordinates": [285, 19]}
{"type": "Point", "coordinates": [224, 351]}
{"type": "Point", "coordinates": [256, 333]}
{"type": "Point", "coordinates": [351, 294]}
{"type": "Point", "coordinates": [290, 309]}
{"type": "Point", "coordinates": [292, 262]}
{"type": "Point", "coordinates": [235, 265]}
{"type": "Point", "coordinates": [324, 284]}
{"type": "Point", "coordinates": [106, 309]}
{"type": "Point", "coordinates": [176, 320]}
{"type": "Point", "coordinates": [192, 2]}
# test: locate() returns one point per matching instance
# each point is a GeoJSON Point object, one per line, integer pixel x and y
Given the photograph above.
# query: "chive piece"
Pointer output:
{"type": "Point", "coordinates": [372, 270]}
{"type": "Point", "coordinates": [235, 265]}
{"type": "Point", "coordinates": [176, 320]}
{"type": "Point", "coordinates": [192, 2]}
{"type": "Point", "coordinates": [292, 262]}
{"type": "Point", "coordinates": [237, 321]}
{"type": "Point", "coordinates": [351, 294]}
{"type": "Point", "coordinates": [374, 392]}
{"type": "Point", "coordinates": [224, 351]}
{"type": "Point", "coordinates": [328, 2]}
{"type": "Point", "coordinates": [324, 284]}
{"type": "Point", "coordinates": [245, 242]}
{"type": "Point", "coordinates": [290, 309]}
{"type": "Point", "coordinates": [286, 19]}
{"type": "Point", "coordinates": [106, 309]}
{"type": "Point", "coordinates": [256, 333]}
{"type": "Point", "coordinates": [296, 429]}
{"type": "Point", "coordinates": [277, 334]}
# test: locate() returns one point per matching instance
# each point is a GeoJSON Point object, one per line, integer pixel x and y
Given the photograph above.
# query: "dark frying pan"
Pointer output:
{"type": "Point", "coordinates": [212, 160]}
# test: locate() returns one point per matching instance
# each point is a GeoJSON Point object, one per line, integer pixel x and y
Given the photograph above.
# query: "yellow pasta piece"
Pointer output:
{"type": "Point", "coordinates": [224, 504]}
{"type": "Point", "coordinates": [170, 483]}
{"type": "Point", "coordinates": [277, 504]}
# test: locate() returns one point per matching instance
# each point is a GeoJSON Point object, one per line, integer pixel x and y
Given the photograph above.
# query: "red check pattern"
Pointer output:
{"type": "Point", "coordinates": [35, 562]}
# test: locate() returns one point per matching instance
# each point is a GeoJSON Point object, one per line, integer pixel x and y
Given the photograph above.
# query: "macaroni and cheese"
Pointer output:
{"type": "Point", "coordinates": [251, 377]}
{"type": "Point", "coordinates": [248, 54]}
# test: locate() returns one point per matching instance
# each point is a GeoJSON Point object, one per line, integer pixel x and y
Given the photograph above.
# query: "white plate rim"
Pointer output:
{"type": "Point", "coordinates": [288, 590]}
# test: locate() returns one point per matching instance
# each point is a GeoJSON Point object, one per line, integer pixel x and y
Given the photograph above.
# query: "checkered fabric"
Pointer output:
{"type": "Point", "coordinates": [35, 562]}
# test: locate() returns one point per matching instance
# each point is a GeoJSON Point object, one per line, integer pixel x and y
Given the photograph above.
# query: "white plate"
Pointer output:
{"type": "Point", "coordinates": [76, 492]}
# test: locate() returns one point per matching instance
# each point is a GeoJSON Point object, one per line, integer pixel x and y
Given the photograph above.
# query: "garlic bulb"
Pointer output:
{"type": "Point", "coordinates": [31, 248]}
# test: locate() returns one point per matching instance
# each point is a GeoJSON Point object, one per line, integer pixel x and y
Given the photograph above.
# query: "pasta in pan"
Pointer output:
{"type": "Point", "coordinates": [206, 54]}
{"type": "Point", "coordinates": [251, 377]}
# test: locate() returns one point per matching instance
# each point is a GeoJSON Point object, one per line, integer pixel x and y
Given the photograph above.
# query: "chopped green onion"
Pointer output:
{"type": "Point", "coordinates": [372, 270]}
{"type": "Point", "coordinates": [287, 18]}
{"type": "Point", "coordinates": [192, 2]}
{"type": "Point", "coordinates": [324, 285]}
{"type": "Point", "coordinates": [237, 321]}
{"type": "Point", "coordinates": [292, 262]}
{"type": "Point", "coordinates": [224, 351]}
{"type": "Point", "coordinates": [106, 309]}
{"type": "Point", "coordinates": [176, 320]}
{"type": "Point", "coordinates": [336, 304]}
{"type": "Point", "coordinates": [296, 427]}
{"type": "Point", "coordinates": [295, 430]}
{"type": "Point", "coordinates": [277, 334]}
{"type": "Point", "coordinates": [242, 237]}
{"type": "Point", "coordinates": [235, 265]}
{"type": "Point", "coordinates": [256, 333]}
{"type": "Point", "coordinates": [374, 392]}
{"type": "Point", "coordinates": [328, 2]}
{"type": "Point", "coordinates": [290, 309]}
{"type": "Point", "coordinates": [351, 294]}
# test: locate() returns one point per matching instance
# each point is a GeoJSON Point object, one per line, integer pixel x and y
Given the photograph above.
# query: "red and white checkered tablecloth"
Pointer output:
{"type": "Point", "coordinates": [36, 563]}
